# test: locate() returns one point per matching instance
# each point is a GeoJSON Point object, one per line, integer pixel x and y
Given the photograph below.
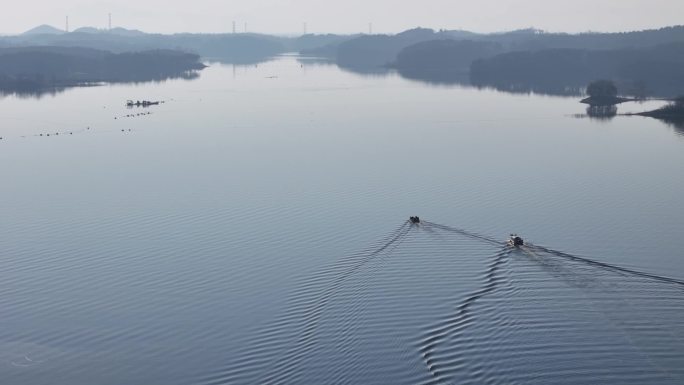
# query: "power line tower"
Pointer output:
{"type": "Point", "coordinates": [245, 27]}
{"type": "Point", "coordinates": [370, 28]}
{"type": "Point", "coordinates": [110, 22]}
{"type": "Point", "coordinates": [234, 27]}
{"type": "Point", "coordinates": [66, 26]}
{"type": "Point", "coordinates": [305, 28]}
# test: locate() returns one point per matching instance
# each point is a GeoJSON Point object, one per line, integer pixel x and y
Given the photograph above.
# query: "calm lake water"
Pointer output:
{"type": "Point", "coordinates": [252, 229]}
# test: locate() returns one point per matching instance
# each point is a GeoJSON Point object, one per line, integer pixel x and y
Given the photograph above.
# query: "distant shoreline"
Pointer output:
{"type": "Point", "coordinates": [36, 70]}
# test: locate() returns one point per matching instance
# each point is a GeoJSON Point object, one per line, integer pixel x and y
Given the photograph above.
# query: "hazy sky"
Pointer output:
{"type": "Point", "coordinates": [345, 16]}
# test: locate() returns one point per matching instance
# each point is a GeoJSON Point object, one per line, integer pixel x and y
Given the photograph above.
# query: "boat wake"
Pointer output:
{"type": "Point", "coordinates": [607, 266]}
{"type": "Point", "coordinates": [276, 353]}
{"type": "Point", "coordinates": [475, 343]}
{"type": "Point", "coordinates": [519, 315]}
{"type": "Point", "coordinates": [459, 321]}
{"type": "Point", "coordinates": [284, 369]}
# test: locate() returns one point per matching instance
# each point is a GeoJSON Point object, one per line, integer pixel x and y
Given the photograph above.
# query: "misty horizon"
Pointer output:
{"type": "Point", "coordinates": [381, 17]}
{"type": "Point", "coordinates": [368, 31]}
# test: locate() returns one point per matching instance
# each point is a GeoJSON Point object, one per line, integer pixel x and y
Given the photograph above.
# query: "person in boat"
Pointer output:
{"type": "Point", "coordinates": [415, 220]}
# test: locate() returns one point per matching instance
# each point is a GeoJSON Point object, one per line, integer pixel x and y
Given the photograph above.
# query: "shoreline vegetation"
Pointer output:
{"type": "Point", "coordinates": [656, 71]}
{"type": "Point", "coordinates": [671, 114]}
{"type": "Point", "coordinates": [603, 100]}
{"type": "Point", "coordinates": [672, 111]}
{"type": "Point", "coordinates": [644, 64]}
{"type": "Point", "coordinates": [37, 70]}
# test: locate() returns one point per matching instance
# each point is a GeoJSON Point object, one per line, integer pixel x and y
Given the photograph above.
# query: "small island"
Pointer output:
{"type": "Point", "coordinates": [603, 100]}
{"type": "Point", "coordinates": [603, 93]}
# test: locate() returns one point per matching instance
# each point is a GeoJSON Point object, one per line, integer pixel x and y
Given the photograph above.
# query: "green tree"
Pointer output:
{"type": "Point", "coordinates": [601, 89]}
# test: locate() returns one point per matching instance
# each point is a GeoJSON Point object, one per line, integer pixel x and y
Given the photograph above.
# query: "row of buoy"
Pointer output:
{"type": "Point", "coordinates": [134, 115]}
{"type": "Point", "coordinates": [56, 133]}
{"type": "Point", "coordinates": [70, 133]}
{"type": "Point", "coordinates": [44, 134]}
{"type": "Point", "coordinates": [88, 128]}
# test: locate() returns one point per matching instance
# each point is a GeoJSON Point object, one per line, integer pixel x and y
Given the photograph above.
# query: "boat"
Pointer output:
{"type": "Point", "coordinates": [515, 240]}
{"type": "Point", "coordinates": [414, 220]}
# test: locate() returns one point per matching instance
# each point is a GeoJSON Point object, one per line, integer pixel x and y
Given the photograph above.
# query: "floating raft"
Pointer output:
{"type": "Point", "coordinates": [141, 103]}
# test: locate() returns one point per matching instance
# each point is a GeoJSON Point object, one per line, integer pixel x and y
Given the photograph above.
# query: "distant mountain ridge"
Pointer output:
{"type": "Point", "coordinates": [379, 50]}
{"type": "Point", "coordinates": [114, 31]}
{"type": "Point", "coordinates": [374, 53]}
{"type": "Point", "coordinates": [443, 61]}
{"type": "Point", "coordinates": [43, 30]}
{"type": "Point", "coordinates": [50, 30]}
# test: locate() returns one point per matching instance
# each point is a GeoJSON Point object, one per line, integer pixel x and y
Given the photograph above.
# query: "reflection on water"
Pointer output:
{"type": "Point", "coordinates": [446, 77]}
{"type": "Point", "coordinates": [313, 61]}
{"type": "Point", "coordinates": [437, 77]}
{"type": "Point", "coordinates": [29, 91]}
{"type": "Point", "coordinates": [32, 90]}
{"type": "Point", "coordinates": [557, 86]}
{"type": "Point", "coordinates": [440, 77]}
{"type": "Point", "coordinates": [241, 60]}
{"type": "Point", "coordinates": [370, 71]}
{"type": "Point", "coordinates": [560, 89]}
{"type": "Point", "coordinates": [602, 112]}
{"type": "Point", "coordinates": [676, 124]}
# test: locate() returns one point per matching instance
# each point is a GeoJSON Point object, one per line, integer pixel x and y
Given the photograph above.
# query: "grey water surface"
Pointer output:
{"type": "Point", "coordinates": [253, 229]}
